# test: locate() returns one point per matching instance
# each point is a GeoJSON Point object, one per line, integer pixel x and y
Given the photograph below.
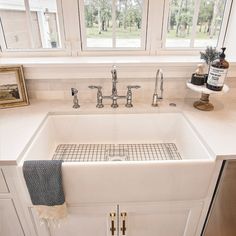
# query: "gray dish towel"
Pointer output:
{"type": "Point", "coordinates": [44, 182]}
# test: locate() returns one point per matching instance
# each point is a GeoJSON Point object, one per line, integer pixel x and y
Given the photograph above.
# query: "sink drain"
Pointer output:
{"type": "Point", "coordinates": [117, 154]}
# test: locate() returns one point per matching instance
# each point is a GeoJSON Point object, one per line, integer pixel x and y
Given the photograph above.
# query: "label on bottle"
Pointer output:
{"type": "Point", "coordinates": [216, 76]}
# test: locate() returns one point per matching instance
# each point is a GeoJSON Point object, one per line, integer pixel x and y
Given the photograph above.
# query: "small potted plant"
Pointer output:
{"type": "Point", "coordinates": [209, 55]}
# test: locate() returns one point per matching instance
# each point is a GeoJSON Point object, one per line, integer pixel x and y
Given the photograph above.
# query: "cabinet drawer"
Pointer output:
{"type": "Point", "coordinates": [3, 185]}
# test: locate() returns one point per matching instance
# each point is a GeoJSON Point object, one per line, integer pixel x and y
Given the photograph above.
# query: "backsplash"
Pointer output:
{"type": "Point", "coordinates": [60, 89]}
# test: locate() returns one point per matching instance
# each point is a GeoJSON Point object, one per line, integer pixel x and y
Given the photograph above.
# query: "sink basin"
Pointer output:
{"type": "Point", "coordinates": [119, 179]}
{"type": "Point", "coordinates": [117, 129]}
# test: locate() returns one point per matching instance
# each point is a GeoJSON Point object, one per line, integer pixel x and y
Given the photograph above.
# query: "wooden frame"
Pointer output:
{"type": "Point", "coordinates": [12, 87]}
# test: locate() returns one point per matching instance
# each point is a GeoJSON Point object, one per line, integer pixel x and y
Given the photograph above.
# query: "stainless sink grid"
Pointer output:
{"type": "Point", "coordinates": [116, 152]}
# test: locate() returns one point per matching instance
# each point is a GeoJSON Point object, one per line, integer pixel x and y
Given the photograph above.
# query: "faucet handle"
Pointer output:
{"type": "Point", "coordinates": [95, 87]}
{"type": "Point", "coordinates": [99, 95]}
{"type": "Point", "coordinates": [133, 87]}
{"type": "Point", "coordinates": [129, 95]}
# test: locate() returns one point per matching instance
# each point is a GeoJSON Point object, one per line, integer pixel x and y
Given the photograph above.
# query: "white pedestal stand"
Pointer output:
{"type": "Point", "coordinates": [203, 104]}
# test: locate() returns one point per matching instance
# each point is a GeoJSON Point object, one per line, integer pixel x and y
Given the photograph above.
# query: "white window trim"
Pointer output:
{"type": "Point", "coordinates": [128, 67]}
{"type": "Point", "coordinates": [29, 23]}
{"type": "Point", "coordinates": [70, 21]}
{"type": "Point", "coordinates": [224, 24]}
{"type": "Point", "coordinates": [65, 49]}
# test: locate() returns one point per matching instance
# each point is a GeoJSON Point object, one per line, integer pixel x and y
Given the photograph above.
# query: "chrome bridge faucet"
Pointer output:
{"type": "Point", "coordinates": [114, 94]}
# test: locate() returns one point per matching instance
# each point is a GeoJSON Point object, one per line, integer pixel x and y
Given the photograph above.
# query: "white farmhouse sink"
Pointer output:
{"type": "Point", "coordinates": [117, 129]}
{"type": "Point", "coordinates": [110, 181]}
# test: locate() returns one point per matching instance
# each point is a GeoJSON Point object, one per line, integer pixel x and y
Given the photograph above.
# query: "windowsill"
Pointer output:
{"type": "Point", "coordinates": [54, 61]}
{"type": "Point", "coordinates": [128, 66]}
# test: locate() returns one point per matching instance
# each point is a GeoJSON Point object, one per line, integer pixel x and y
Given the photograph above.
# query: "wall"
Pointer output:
{"type": "Point", "coordinates": [231, 34]}
{"type": "Point", "coordinates": [52, 78]}
{"type": "Point", "coordinates": [174, 88]}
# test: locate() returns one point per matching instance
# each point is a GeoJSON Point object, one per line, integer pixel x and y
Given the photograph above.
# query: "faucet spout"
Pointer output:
{"type": "Point", "coordinates": [114, 72]}
{"type": "Point", "coordinates": [156, 98]}
{"type": "Point", "coordinates": [114, 80]}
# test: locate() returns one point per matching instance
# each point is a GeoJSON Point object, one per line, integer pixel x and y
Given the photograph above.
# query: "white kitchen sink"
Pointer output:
{"type": "Point", "coordinates": [112, 181]}
{"type": "Point", "coordinates": [162, 128]}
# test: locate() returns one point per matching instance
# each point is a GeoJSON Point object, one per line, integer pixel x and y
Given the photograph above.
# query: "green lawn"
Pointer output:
{"type": "Point", "coordinates": [199, 35]}
{"type": "Point", "coordinates": [135, 33]}
{"type": "Point", "coordinates": [120, 33]}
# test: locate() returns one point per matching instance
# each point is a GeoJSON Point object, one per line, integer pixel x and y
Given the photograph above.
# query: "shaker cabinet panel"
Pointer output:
{"type": "Point", "coordinates": [159, 219]}
{"type": "Point", "coordinates": [87, 221]}
{"type": "Point", "coordinates": [9, 222]}
{"type": "Point", "coordinates": [3, 185]}
{"type": "Point", "coordinates": [162, 220]}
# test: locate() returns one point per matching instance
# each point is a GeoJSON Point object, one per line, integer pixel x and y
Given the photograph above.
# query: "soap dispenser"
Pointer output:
{"type": "Point", "coordinates": [218, 72]}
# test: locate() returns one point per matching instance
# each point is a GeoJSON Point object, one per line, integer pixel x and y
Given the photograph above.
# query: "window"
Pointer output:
{"type": "Point", "coordinates": [113, 24]}
{"type": "Point", "coordinates": [195, 24]}
{"type": "Point", "coordinates": [29, 24]}
{"type": "Point", "coordinates": [111, 27]}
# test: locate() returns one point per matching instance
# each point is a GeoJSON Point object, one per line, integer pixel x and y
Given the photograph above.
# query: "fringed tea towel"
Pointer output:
{"type": "Point", "coordinates": [44, 183]}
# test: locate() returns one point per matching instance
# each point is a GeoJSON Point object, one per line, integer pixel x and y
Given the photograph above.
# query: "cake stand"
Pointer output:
{"type": "Point", "coordinates": [203, 104]}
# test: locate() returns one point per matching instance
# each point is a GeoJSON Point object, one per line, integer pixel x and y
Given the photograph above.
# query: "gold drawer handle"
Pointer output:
{"type": "Point", "coordinates": [113, 228]}
{"type": "Point", "coordinates": [123, 226]}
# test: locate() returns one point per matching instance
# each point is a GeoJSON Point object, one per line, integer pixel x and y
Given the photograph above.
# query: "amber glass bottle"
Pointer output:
{"type": "Point", "coordinates": [218, 73]}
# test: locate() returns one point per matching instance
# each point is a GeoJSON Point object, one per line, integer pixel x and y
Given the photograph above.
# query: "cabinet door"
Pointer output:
{"type": "Point", "coordinates": [166, 219]}
{"type": "Point", "coordinates": [3, 185]}
{"type": "Point", "coordinates": [88, 221]}
{"type": "Point", "coordinates": [9, 222]}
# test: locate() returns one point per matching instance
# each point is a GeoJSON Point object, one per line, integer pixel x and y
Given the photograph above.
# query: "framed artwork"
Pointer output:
{"type": "Point", "coordinates": [12, 87]}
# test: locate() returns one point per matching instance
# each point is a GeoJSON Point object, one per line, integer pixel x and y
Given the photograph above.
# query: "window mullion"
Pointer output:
{"type": "Point", "coordinates": [82, 25]}
{"type": "Point", "coordinates": [71, 21]}
{"type": "Point", "coordinates": [195, 19]}
{"type": "Point", "coordinates": [29, 23]}
{"type": "Point", "coordinates": [114, 23]}
{"type": "Point", "coordinates": [224, 24]}
{"type": "Point", "coordinates": [3, 42]}
{"type": "Point", "coordinates": [60, 24]}
{"type": "Point", "coordinates": [144, 24]}
{"type": "Point", "coordinates": [165, 22]}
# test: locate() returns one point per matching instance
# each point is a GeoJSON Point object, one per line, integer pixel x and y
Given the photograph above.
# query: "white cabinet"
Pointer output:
{"type": "Point", "coordinates": [165, 219]}
{"type": "Point", "coordinates": [88, 221]}
{"type": "Point", "coordinates": [141, 219]}
{"type": "Point", "coordinates": [3, 185]}
{"type": "Point", "coordinates": [9, 222]}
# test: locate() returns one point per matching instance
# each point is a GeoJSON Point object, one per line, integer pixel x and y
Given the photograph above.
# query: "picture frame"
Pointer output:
{"type": "Point", "coordinates": [13, 91]}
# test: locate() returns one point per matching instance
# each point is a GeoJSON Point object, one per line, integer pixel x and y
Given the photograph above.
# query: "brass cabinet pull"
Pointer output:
{"type": "Point", "coordinates": [123, 223]}
{"type": "Point", "coordinates": [113, 228]}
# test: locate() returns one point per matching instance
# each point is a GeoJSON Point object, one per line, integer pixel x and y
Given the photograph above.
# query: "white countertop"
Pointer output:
{"type": "Point", "coordinates": [216, 128]}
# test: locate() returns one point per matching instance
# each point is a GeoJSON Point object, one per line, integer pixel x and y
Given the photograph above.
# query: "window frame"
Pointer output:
{"type": "Point", "coordinates": [191, 48]}
{"type": "Point", "coordinates": [64, 50]}
{"type": "Point", "coordinates": [69, 16]}
{"type": "Point", "coordinates": [143, 36]}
